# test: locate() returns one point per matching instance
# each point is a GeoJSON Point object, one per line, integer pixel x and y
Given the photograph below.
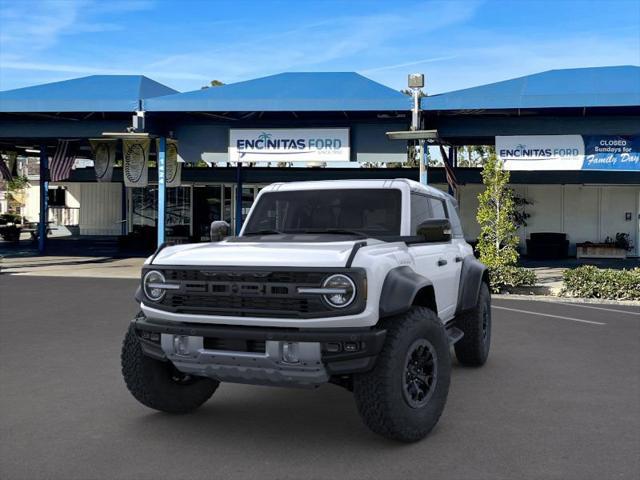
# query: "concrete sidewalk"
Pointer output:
{"type": "Point", "coordinates": [59, 266]}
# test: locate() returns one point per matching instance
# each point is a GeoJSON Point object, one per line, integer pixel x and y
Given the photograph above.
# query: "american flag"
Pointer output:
{"type": "Point", "coordinates": [452, 181]}
{"type": "Point", "coordinates": [62, 161]}
{"type": "Point", "coordinates": [5, 173]}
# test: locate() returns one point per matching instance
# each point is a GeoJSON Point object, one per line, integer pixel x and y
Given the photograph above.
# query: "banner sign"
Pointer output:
{"type": "Point", "coordinates": [569, 152]}
{"type": "Point", "coordinates": [173, 167]}
{"type": "Point", "coordinates": [610, 152]}
{"type": "Point", "coordinates": [136, 162]}
{"type": "Point", "coordinates": [289, 145]}
{"type": "Point", "coordinates": [104, 157]}
{"type": "Point", "coordinates": [541, 152]}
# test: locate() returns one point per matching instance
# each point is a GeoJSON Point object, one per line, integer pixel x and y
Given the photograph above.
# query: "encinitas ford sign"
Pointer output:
{"type": "Point", "coordinates": [569, 152]}
{"type": "Point", "coordinates": [289, 145]}
{"type": "Point", "coordinates": [541, 152]}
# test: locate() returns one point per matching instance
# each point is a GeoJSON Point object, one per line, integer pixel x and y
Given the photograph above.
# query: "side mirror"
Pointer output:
{"type": "Point", "coordinates": [219, 230]}
{"type": "Point", "coordinates": [435, 230]}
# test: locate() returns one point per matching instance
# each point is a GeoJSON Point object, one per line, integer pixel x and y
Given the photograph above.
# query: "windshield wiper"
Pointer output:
{"type": "Point", "coordinates": [263, 232]}
{"type": "Point", "coordinates": [337, 231]}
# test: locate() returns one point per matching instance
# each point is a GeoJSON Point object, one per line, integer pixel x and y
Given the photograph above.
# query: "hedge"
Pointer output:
{"type": "Point", "coordinates": [504, 277]}
{"type": "Point", "coordinates": [591, 282]}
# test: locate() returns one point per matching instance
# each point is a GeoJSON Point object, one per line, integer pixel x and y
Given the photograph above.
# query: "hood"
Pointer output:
{"type": "Point", "coordinates": [257, 254]}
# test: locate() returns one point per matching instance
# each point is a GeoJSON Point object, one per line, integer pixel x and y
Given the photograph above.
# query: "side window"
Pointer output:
{"type": "Point", "coordinates": [456, 227]}
{"type": "Point", "coordinates": [420, 211]}
{"type": "Point", "coordinates": [437, 207]}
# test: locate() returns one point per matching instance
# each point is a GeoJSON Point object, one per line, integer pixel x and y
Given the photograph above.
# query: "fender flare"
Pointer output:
{"type": "Point", "coordinates": [400, 290]}
{"type": "Point", "coordinates": [138, 297]}
{"type": "Point", "coordinates": [472, 275]}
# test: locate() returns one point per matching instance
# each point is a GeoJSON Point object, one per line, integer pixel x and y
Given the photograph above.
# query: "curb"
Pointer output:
{"type": "Point", "coordinates": [555, 299]}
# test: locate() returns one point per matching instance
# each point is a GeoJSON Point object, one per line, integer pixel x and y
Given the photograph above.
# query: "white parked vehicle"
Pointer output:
{"type": "Point", "coordinates": [364, 284]}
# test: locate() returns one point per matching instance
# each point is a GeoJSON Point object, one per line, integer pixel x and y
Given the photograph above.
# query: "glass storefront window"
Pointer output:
{"type": "Point", "coordinates": [184, 221]}
{"type": "Point", "coordinates": [144, 207]}
{"type": "Point", "coordinates": [229, 200]}
{"type": "Point", "coordinates": [144, 210]}
{"type": "Point", "coordinates": [178, 217]}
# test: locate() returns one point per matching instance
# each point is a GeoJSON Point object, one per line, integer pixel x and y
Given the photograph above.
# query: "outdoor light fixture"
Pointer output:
{"type": "Point", "coordinates": [133, 135]}
{"type": "Point", "coordinates": [137, 122]}
{"type": "Point", "coordinates": [414, 135]}
{"type": "Point", "coordinates": [416, 80]}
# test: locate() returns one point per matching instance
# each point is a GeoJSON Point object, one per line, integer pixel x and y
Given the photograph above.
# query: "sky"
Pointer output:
{"type": "Point", "coordinates": [185, 44]}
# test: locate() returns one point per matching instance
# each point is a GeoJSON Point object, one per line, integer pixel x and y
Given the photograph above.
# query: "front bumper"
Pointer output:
{"type": "Point", "coordinates": [255, 354]}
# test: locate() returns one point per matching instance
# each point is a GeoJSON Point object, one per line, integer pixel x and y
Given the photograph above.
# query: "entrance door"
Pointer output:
{"type": "Point", "coordinates": [208, 206]}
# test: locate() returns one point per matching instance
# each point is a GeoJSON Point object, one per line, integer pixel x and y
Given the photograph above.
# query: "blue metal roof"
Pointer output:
{"type": "Point", "coordinates": [96, 93]}
{"type": "Point", "coordinates": [299, 92]}
{"type": "Point", "coordinates": [577, 87]}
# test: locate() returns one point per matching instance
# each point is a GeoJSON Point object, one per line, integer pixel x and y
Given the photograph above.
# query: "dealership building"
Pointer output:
{"type": "Point", "coordinates": [571, 139]}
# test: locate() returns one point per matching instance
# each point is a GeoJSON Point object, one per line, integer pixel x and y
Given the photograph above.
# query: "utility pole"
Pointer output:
{"type": "Point", "coordinates": [416, 83]}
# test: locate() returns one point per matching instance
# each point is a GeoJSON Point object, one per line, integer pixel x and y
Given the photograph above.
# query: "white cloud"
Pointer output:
{"type": "Point", "coordinates": [500, 57]}
{"type": "Point", "coordinates": [408, 64]}
{"type": "Point", "coordinates": [31, 27]}
{"type": "Point", "coordinates": [88, 70]}
{"type": "Point", "coordinates": [314, 46]}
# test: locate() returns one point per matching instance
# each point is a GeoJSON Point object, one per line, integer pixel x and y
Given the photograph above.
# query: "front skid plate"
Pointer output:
{"type": "Point", "coordinates": [266, 368]}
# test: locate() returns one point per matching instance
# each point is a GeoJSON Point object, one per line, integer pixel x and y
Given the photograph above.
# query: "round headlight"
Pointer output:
{"type": "Point", "coordinates": [344, 290]}
{"type": "Point", "coordinates": [155, 294]}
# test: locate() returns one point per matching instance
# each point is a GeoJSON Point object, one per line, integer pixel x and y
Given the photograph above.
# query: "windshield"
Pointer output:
{"type": "Point", "coordinates": [359, 212]}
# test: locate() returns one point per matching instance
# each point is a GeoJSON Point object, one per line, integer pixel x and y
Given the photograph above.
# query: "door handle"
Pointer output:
{"type": "Point", "coordinates": [442, 262]}
{"type": "Point", "coordinates": [458, 259]}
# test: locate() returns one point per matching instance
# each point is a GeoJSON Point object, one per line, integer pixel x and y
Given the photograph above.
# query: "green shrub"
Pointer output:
{"type": "Point", "coordinates": [502, 277]}
{"type": "Point", "coordinates": [592, 282]}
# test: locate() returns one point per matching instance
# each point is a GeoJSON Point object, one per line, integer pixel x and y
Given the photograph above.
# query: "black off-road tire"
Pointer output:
{"type": "Point", "coordinates": [473, 348]}
{"type": "Point", "coordinates": [158, 384]}
{"type": "Point", "coordinates": [380, 393]}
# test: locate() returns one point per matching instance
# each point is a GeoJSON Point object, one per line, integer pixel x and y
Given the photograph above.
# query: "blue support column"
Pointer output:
{"type": "Point", "coordinates": [162, 190]}
{"type": "Point", "coordinates": [238, 197]}
{"type": "Point", "coordinates": [44, 199]}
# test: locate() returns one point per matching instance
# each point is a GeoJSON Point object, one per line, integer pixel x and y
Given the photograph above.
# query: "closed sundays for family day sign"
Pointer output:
{"type": "Point", "coordinates": [569, 152]}
{"type": "Point", "coordinates": [289, 145]}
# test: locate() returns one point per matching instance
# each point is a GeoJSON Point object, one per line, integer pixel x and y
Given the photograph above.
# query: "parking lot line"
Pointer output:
{"type": "Point", "coordinates": [599, 308]}
{"type": "Point", "coordinates": [548, 315]}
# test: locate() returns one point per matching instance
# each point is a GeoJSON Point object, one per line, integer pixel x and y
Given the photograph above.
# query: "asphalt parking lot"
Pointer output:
{"type": "Point", "coordinates": [558, 399]}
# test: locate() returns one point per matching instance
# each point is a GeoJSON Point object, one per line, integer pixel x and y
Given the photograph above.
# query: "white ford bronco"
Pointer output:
{"type": "Point", "coordinates": [364, 284]}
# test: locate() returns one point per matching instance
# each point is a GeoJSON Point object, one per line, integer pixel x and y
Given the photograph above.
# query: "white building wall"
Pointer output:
{"type": "Point", "coordinates": [583, 212]}
{"type": "Point", "coordinates": [32, 202]}
{"type": "Point", "coordinates": [581, 215]}
{"type": "Point", "coordinates": [73, 195]}
{"type": "Point", "coordinates": [615, 202]}
{"type": "Point", "coordinates": [100, 208]}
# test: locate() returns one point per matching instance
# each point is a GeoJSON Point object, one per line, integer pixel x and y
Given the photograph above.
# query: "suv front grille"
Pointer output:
{"type": "Point", "coordinates": [254, 293]}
